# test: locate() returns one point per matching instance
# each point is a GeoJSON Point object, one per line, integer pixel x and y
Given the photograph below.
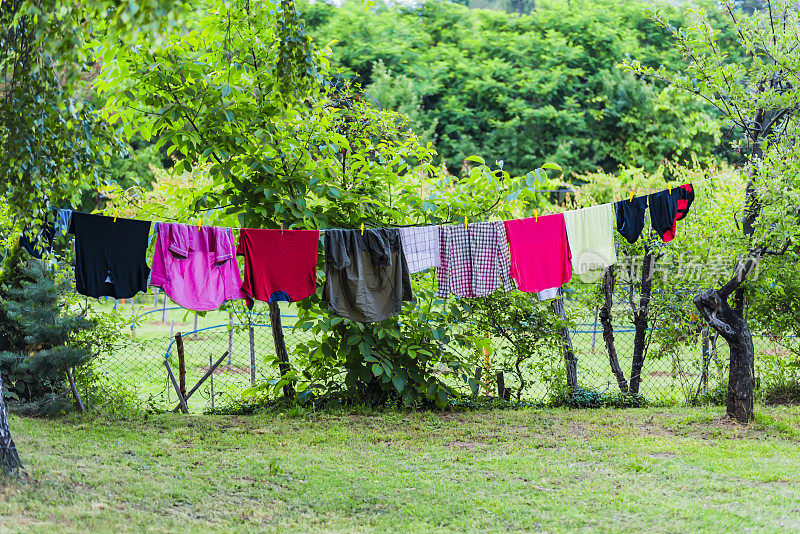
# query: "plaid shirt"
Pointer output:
{"type": "Point", "coordinates": [421, 247]}
{"type": "Point", "coordinates": [474, 260]}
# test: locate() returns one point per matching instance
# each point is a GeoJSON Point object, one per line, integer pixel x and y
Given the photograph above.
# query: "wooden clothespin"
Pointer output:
{"type": "Point", "coordinates": [535, 215]}
{"type": "Point", "coordinates": [282, 228]}
{"type": "Point", "coordinates": [362, 228]}
{"type": "Point", "coordinates": [116, 213]}
{"type": "Point", "coordinates": [465, 222]}
{"type": "Point", "coordinates": [630, 197]}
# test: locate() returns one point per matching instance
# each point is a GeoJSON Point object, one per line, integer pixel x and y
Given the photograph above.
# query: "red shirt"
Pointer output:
{"type": "Point", "coordinates": [279, 264]}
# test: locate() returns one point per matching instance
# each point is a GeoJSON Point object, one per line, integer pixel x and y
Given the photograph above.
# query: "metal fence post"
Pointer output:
{"type": "Point", "coordinates": [230, 338]}
{"type": "Point", "coordinates": [252, 352]}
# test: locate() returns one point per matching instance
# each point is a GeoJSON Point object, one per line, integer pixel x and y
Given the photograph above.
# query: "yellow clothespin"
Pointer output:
{"type": "Point", "coordinates": [116, 213]}
{"type": "Point", "coordinates": [362, 228]}
{"type": "Point", "coordinates": [465, 222]}
{"type": "Point", "coordinates": [199, 223]}
{"type": "Point", "coordinates": [535, 215]}
{"type": "Point", "coordinates": [669, 186]}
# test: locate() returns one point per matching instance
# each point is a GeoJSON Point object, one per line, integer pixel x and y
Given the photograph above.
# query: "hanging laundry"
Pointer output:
{"type": "Point", "coordinates": [196, 268]}
{"type": "Point", "coordinates": [591, 238]}
{"type": "Point", "coordinates": [279, 265]}
{"type": "Point", "coordinates": [421, 246]}
{"type": "Point", "coordinates": [109, 255]}
{"type": "Point", "coordinates": [548, 294]}
{"type": "Point", "coordinates": [475, 260]}
{"type": "Point", "coordinates": [366, 276]}
{"type": "Point", "coordinates": [685, 198]}
{"type": "Point", "coordinates": [630, 217]}
{"type": "Point", "coordinates": [540, 255]}
{"type": "Point", "coordinates": [663, 210]}
{"type": "Point", "coordinates": [37, 246]}
{"type": "Point", "coordinates": [63, 217]}
{"type": "Point", "coordinates": [44, 243]}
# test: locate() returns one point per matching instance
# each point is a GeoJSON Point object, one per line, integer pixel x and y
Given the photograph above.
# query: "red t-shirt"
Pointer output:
{"type": "Point", "coordinates": [279, 264]}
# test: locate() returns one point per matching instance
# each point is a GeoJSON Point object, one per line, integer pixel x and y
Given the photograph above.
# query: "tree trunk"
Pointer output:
{"type": "Point", "coordinates": [570, 360]}
{"type": "Point", "coordinates": [609, 279]}
{"type": "Point", "coordinates": [640, 318]}
{"type": "Point", "coordinates": [10, 463]}
{"type": "Point", "coordinates": [280, 346]}
{"type": "Point", "coordinates": [732, 327]}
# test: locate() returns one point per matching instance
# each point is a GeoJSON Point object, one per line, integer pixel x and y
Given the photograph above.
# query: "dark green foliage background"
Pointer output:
{"type": "Point", "coordinates": [524, 89]}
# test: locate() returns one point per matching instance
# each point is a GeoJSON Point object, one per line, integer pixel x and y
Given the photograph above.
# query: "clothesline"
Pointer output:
{"type": "Point", "coordinates": [367, 274]}
{"type": "Point", "coordinates": [695, 182]}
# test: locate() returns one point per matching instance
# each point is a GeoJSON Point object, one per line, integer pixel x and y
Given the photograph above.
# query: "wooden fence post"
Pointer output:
{"type": "Point", "coordinates": [181, 364]}
{"type": "Point", "coordinates": [164, 309]}
{"type": "Point", "coordinates": [280, 346]}
{"type": "Point", "coordinates": [181, 398]}
{"type": "Point", "coordinates": [74, 389]}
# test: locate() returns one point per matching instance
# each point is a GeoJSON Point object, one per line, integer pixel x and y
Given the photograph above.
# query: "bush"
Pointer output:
{"type": "Point", "coordinates": [587, 398]}
{"type": "Point", "coordinates": [405, 360]}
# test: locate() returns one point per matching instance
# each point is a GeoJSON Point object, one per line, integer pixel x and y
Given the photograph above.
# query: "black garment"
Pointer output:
{"type": "Point", "coordinates": [630, 217]}
{"type": "Point", "coordinates": [366, 276]}
{"type": "Point", "coordinates": [663, 209]}
{"type": "Point", "coordinates": [38, 246]}
{"type": "Point", "coordinates": [110, 256]}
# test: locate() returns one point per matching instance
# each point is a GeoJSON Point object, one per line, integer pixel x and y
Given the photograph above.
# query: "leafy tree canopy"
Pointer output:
{"type": "Point", "coordinates": [525, 89]}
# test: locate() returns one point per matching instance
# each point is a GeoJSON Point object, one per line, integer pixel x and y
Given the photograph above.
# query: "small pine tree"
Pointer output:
{"type": "Point", "coordinates": [36, 351]}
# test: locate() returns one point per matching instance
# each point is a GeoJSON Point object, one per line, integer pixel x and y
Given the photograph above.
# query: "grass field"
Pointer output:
{"type": "Point", "coordinates": [656, 470]}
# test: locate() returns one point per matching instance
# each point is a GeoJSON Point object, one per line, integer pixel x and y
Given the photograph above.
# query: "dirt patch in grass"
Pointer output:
{"type": "Point", "coordinates": [468, 445]}
{"type": "Point", "coordinates": [228, 369]}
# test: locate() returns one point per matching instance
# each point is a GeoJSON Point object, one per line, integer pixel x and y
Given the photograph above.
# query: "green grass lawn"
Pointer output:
{"type": "Point", "coordinates": [654, 470]}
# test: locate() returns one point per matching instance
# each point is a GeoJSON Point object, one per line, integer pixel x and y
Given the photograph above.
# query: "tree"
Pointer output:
{"type": "Point", "coordinates": [41, 334]}
{"type": "Point", "coordinates": [9, 458]}
{"type": "Point", "coordinates": [757, 94]}
{"type": "Point", "coordinates": [524, 89]}
{"type": "Point", "coordinates": [51, 138]}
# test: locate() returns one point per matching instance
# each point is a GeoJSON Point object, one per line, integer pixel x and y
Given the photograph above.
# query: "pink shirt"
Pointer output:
{"type": "Point", "coordinates": [540, 255]}
{"type": "Point", "coordinates": [196, 268]}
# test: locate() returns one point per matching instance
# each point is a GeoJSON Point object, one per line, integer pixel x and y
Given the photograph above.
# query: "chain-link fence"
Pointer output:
{"type": "Point", "coordinates": [677, 371]}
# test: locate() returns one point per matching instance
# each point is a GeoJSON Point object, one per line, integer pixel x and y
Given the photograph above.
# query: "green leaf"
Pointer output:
{"type": "Point", "coordinates": [399, 383]}
{"type": "Point", "coordinates": [377, 370]}
{"type": "Point", "coordinates": [552, 166]}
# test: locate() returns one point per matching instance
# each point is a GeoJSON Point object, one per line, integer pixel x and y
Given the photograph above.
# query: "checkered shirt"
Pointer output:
{"type": "Point", "coordinates": [474, 260]}
{"type": "Point", "coordinates": [421, 247]}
